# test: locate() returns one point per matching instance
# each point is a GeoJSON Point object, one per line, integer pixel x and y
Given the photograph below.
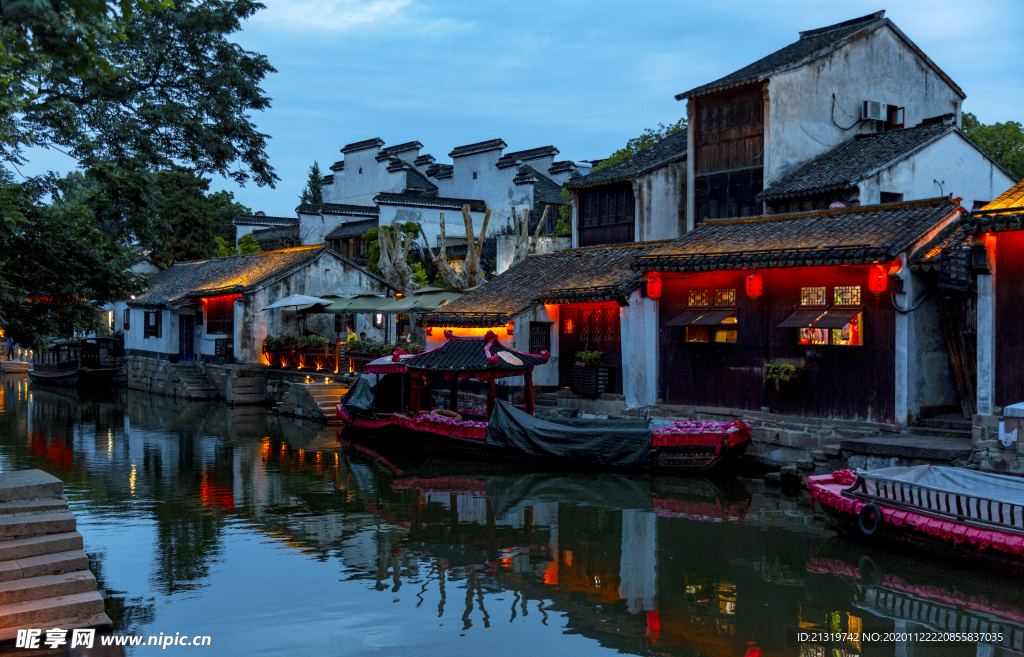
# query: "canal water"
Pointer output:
{"type": "Point", "coordinates": [277, 537]}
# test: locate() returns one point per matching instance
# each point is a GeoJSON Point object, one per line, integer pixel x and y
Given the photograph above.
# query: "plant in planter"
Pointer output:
{"type": "Point", "coordinates": [589, 358]}
{"type": "Point", "coordinates": [589, 377]}
{"type": "Point", "coordinates": [271, 343]}
{"type": "Point", "coordinates": [781, 372]}
{"type": "Point", "coordinates": [313, 342]}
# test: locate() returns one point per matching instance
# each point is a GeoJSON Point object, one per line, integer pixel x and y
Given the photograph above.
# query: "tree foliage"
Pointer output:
{"type": "Point", "coordinates": [649, 137]}
{"type": "Point", "coordinates": [1004, 142]}
{"type": "Point", "coordinates": [312, 193]}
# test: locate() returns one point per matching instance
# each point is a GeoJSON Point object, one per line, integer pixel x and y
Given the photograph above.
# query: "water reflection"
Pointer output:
{"type": "Point", "coordinates": [274, 537]}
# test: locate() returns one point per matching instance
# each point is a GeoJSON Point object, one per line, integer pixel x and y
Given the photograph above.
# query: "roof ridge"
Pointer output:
{"type": "Point", "coordinates": [870, 18]}
{"type": "Point", "coordinates": [789, 216]}
{"type": "Point", "coordinates": [604, 247]}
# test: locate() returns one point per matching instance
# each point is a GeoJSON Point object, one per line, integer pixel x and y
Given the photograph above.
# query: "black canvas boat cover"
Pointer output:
{"type": "Point", "coordinates": [604, 490]}
{"type": "Point", "coordinates": [956, 481]}
{"type": "Point", "coordinates": [514, 429]}
{"type": "Point", "coordinates": [360, 397]}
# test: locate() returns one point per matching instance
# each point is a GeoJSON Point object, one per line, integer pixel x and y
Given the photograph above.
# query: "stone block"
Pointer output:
{"type": "Point", "coordinates": [761, 435]}
{"type": "Point", "coordinates": [832, 450]}
{"type": "Point", "coordinates": [805, 464]}
{"type": "Point", "coordinates": [819, 455]}
{"type": "Point", "coordinates": [798, 439]}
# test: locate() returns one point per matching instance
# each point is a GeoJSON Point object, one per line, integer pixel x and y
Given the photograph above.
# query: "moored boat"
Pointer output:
{"type": "Point", "coordinates": [945, 510]}
{"type": "Point", "coordinates": [90, 363]}
{"type": "Point", "coordinates": [472, 398]}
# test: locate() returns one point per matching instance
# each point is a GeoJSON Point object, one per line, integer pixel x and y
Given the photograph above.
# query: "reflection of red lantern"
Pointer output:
{"type": "Point", "coordinates": [754, 287]}
{"type": "Point", "coordinates": [654, 286]}
{"type": "Point", "coordinates": [511, 326]}
{"type": "Point", "coordinates": [876, 279]}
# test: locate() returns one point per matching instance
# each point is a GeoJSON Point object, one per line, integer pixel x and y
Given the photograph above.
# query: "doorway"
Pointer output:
{"type": "Point", "coordinates": [186, 337]}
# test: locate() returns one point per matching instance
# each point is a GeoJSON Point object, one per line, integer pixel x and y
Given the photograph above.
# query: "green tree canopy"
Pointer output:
{"type": "Point", "coordinates": [650, 137]}
{"type": "Point", "coordinates": [312, 193]}
{"type": "Point", "coordinates": [1003, 141]}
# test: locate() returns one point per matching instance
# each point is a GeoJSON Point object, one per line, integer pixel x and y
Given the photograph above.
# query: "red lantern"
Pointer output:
{"type": "Point", "coordinates": [876, 279]}
{"type": "Point", "coordinates": [511, 326]}
{"type": "Point", "coordinates": [654, 286]}
{"type": "Point", "coordinates": [754, 287]}
{"type": "Point", "coordinates": [429, 330]}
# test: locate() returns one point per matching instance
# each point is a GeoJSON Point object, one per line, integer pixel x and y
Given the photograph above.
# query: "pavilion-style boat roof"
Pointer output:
{"type": "Point", "coordinates": [473, 355]}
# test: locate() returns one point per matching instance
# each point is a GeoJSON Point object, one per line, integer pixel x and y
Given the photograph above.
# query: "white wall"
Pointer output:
{"type": "Point", "coordinates": [134, 338]}
{"type": "Point", "coordinates": [638, 324]}
{"type": "Point", "coordinates": [354, 188]}
{"type": "Point", "coordinates": [430, 219]}
{"type": "Point", "coordinates": [494, 186]}
{"type": "Point", "coordinates": [880, 67]}
{"type": "Point", "coordinates": [546, 374]}
{"type": "Point", "coordinates": [660, 200]}
{"type": "Point", "coordinates": [966, 171]}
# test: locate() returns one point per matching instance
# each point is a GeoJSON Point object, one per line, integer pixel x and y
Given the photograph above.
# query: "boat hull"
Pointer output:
{"type": "Point", "coordinates": [81, 378]}
{"type": "Point", "coordinates": [69, 379]}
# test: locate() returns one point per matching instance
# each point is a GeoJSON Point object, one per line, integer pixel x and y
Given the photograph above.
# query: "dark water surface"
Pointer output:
{"type": "Point", "coordinates": [275, 539]}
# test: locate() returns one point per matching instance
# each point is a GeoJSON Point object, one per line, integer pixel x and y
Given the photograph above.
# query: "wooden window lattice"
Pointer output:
{"type": "Point", "coordinates": [812, 296]}
{"type": "Point", "coordinates": [725, 297]}
{"type": "Point", "coordinates": [697, 298]}
{"type": "Point", "coordinates": [846, 295]}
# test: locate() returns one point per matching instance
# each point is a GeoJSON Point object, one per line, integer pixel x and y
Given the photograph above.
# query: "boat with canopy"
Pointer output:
{"type": "Point", "coordinates": [473, 398]}
{"type": "Point", "coordinates": [977, 515]}
{"type": "Point", "coordinates": [86, 363]}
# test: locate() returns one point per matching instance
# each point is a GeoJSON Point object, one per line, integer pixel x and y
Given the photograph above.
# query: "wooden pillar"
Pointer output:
{"type": "Point", "coordinates": [414, 395]}
{"type": "Point", "coordinates": [492, 395]}
{"type": "Point", "coordinates": [528, 379]}
{"type": "Point", "coordinates": [453, 394]}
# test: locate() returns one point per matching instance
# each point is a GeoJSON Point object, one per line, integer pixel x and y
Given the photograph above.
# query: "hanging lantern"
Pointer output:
{"type": "Point", "coordinates": [511, 326]}
{"type": "Point", "coordinates": [654, 286]}
{"type": "Point", "coordinates": [876, 279]}
{"type": "Point", "coordinates": [755, 286]}
{"type": "Point", "coordinates": [429, 330]}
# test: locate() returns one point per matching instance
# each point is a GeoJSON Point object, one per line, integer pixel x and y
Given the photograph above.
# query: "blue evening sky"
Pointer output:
{"type": "Point", "coordinates": [584, 76]}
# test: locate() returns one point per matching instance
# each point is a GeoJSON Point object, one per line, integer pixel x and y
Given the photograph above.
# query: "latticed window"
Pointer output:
{"type": "Point", "coordinates": [220, 314]}
{"type": "Point", "coordinates": [540, 336]}
{"type": "Point", "coordinates": [606, 207]}
{"type": "Point", "coordinates": [611, 323]}
{"type": "Point", "coordinates": [153, 325]}
{"type": "Point", "coordinates": [697, 298]}
{"type": "Point", "coordinates": [725, 297]}
{"type": "Point", "coordinates": [812, 296]}
{"type": "Point", "coordinates": [846, 295]}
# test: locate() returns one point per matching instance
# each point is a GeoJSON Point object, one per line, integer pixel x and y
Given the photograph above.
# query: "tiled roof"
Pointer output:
{"type": "Point", "coordinates": [387, 198]}
{"type": "Point", "coordinates": [338, 166]}
{"type": "Point", "coordinates": [479, 147]}
{"type": "Point", "coordinates": [862, 157]}
{"type": "Point", "coordinates": [276, 233]}
{"type": "Point", "coordinates": [667, 150]}
{"type": "Point", "coordinates": [875, 233]}
{"type": "Point", "coordinates": [811, 45]}
{"type": "Point", "coordinates": [327, 180]}
{"type": "Point", "coordinates": [545, 189]}
{"type": "Point", "coordinates": [466, 354]}
{"type": "Point", "coordinates": [351, 229]}
{"type": "Point", "coordinates": [263, 220]}
{"type": "Point", "coordinates": [601, 273]}
{"type": "Point", "coordinates": [1004, 213]}
{"type": "Point", "coordinates": [509, 159]}
{"type": "Point", "coordinates": [423, 159]}
{"type": "Point", "coordinates": [562, 167]}
{"type": "Point", "coordinates": [955, 236]}
{"type": "Point", "coordinates": [220, 276]}
{"type": "Point", "coordinates": [440, 171]}
{"type": "Point", "coordinates": [338, 208]}
{"type": "Point", "coordinates": [363, 145]}
{"type": "Point", "coordinates": [391, 151]}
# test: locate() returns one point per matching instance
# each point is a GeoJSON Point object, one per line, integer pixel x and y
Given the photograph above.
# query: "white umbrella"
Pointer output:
{"type": "Point", "coordinates": [298, 302]}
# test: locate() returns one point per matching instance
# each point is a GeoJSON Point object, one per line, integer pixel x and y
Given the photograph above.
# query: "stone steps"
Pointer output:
{"type": "Point", "coordinates": [21, 548]}
{"type": "Point", "coordinates": [47, 586]}
{"type": "Point", "coordinates": [101, 622]}
{"type": "Point", "coordinates": [29, 485]}
{"type": "Point", "coordinates": [941, 432]}
{"type": "Point", "coordinates": [910, 447]}
{"type": "Point", "coordinates": [37, 524]}
{"type": "Point", "coordinates": [32, 506]}
{"type": "Point", "coordinates": [44, 611]}
{"type": "Point", "coordinates": [44, 564]}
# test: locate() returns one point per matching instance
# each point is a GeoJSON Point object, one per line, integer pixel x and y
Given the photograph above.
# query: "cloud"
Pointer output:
{"type": "Point", "coordinates": [339, 16]}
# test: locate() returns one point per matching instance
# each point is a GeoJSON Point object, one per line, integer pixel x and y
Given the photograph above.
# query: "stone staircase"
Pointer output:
{"type": "Point", "coordinates": [45, 580]}
{"type": "Point", "coordinates": [196, 385]}
{"type": "Point", "coordinates": [317, 401]}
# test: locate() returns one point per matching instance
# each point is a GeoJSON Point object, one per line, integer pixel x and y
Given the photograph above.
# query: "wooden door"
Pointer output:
{"type": "Point", "coordinates": [186, 337]}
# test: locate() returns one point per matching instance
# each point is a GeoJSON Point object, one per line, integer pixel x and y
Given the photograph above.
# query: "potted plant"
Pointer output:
{"type": "Point", "coordinates": [781, 373]}
{"type": "Point", "coordinates": [589, 377]}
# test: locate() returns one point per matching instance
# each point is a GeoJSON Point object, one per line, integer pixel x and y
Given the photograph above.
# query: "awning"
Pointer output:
{"type": "Point", "coordinates": [420, 301]}
{"type": "Point", "coordinates": [836, 318]}
{"type": "Point", "coordinates": [686, 318]}
{"type": "Point", "coordinates": [802, 318]}
{"type": "Point", "coordinates": [363, 303]}
{"type": "Point", "coordinates": [296, 302]}
{"type": "Point", "coordinates": [713, 317]}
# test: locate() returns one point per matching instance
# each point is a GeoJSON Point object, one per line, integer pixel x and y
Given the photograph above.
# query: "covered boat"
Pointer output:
{"type": "Point", "coordinates": [472, 397]}
{"type": "Point", "coordinates": [971, 514]}
{"type": "Point", "coordinates": [90, 363]}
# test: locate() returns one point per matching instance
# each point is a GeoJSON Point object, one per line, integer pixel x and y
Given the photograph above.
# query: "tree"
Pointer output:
{"type": "Point", "coordinates": [393, 244]}
{"type": "Point", "coordinates": [650, 137]}
{"type": "Point", "coordinates": [1004, 142]}
{"type": "Point", "coordinates": [470, 276]}
{"type": "Point", "coordinates": [248, 244]}
{"type": "Point", "coordinates": [223, 248]}
{"type": "Point", "coordinates": [522, 229]}
{"type": "Point", "coordinates": [225, 210]}
{"type": "Point", "coordinates": [126, 88]}
{"type": "Point", "coordinates": [312, 193]}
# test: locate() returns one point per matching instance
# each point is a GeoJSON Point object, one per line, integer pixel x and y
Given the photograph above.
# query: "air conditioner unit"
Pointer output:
{"type": "Point", "coordinates": [875, 111]}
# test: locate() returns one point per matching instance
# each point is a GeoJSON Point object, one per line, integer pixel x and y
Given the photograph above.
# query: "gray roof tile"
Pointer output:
{"type": "Point", "coordinates": [669, 149]}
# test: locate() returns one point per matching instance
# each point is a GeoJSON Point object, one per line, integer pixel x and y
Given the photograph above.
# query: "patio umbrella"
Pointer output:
{"type": "Point", "coordinates": [420, 300]}
{"type": "Point", "coordinates": [297, 302]}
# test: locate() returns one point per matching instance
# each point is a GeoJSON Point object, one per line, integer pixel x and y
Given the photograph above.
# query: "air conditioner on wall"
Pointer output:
{"type": "Point", "coordinates": [875, 111]}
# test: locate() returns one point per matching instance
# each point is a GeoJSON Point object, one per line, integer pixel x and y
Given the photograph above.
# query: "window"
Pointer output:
{"type": "Point", "coordinates": [726, 331]}
{"type": "Point", "coordinates": [127, 318]}
{"type": "Point", "coordinates": [697, 333]}
{"type": "Point", "coordinates": [153, 324]}
{"type": "Point", "coordinates": [697, 298]}
{"type": "Point", "coordinates": [890, 197]}
{"type": "Point", "coordinates": [342, 322]}
{"type": "Point", "coordinates": [725, 297]}
{"type": "Point", "coordinates": [812, 296]}
{"type": "Point", "coordinates": [607, 207]}
{"type": "Point", "coordinates": [540, 337]}
{"type": "Point", "coordinates": [360, 169]}
{"type": "Point", "coordinates": [378, 320]}
{"type": "Point", "coordinates": [851, 334]}
{"type": "Point", "coordinates": [474, 175]}
{"type": "Point", "coordinates": [220, 315]}
{"type": "Point", "coordinates": [846, 295]}
{"type": "Point", "coordinates": [813, 336]}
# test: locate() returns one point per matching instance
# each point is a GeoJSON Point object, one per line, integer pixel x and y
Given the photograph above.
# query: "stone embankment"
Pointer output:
{"type": "Point", "coordinates": [45, 580]}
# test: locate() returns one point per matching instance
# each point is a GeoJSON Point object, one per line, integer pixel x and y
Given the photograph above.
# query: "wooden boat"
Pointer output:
{"type": "Point", "coordinates": [472, 398]}
{"type": "Point", "coordinates": [942, 510]}
{"type": "Point", "coordinates": [90, 363]}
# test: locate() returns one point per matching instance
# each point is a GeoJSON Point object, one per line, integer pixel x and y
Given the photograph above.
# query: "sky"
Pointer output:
{"type": "Point", "coordinates": [582, 76]}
